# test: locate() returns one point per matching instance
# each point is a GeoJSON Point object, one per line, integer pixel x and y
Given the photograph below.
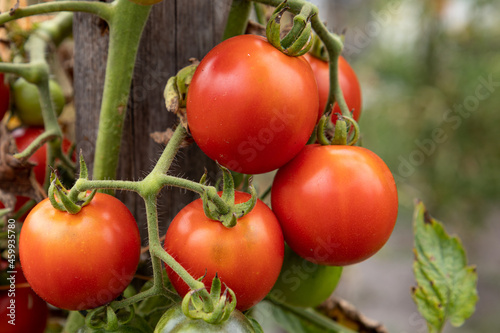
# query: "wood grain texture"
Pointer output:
{"type": "Point", "coordinates": [176, 31]}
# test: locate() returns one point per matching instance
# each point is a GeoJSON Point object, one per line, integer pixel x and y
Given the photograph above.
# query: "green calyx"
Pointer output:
{"type": "Point", "coordinates": [71, 201]}
{"type": "Point", "coordinates": [223, 208]}
{"type": "Point", "coordinates": [107, 319]}
{"type": "Point", "coordinates": [345, 131]}
{"type": "Point", "coordinates": [299, 39]}
{"type": "Point", "coordinates": [219, 309]}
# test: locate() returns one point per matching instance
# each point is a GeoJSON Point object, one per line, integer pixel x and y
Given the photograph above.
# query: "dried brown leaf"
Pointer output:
{"type": "Point", "coordinates": [347, 315]}
{"type": "Point", "coordinates": [16, 178]}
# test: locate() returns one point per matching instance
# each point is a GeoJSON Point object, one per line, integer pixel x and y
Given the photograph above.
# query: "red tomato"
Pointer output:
{"type": "Point", "coordinates": [337, 205]}
{"type": "Point", "coordinates": [247, 257]}
{"type": "Point", "coordinates": [4, 96]}
{"type": "Point", "coordinates": [348, 83]}
{"type": "Point", "coordinates": [251, 107]}
{"type": "Point", "coordinates": [80, 261]}
{"type": "Point", "coordinates": [28, 312]}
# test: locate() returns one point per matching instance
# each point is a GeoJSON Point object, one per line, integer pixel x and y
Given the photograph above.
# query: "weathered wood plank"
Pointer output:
{"type": "Point", "coordinates": [176, 31]}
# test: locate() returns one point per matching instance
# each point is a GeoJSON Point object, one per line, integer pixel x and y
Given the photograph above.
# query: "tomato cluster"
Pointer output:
{"type": "Point", "coordinates": [252, 108]}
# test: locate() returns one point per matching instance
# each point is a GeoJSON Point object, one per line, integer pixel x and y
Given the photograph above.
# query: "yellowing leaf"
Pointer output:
{"type": "Point", "coordinates": [446, 287]}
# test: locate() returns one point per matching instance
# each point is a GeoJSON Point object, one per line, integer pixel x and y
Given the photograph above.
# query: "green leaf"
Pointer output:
{"type": "Point", "coordinates": [297, 320]}
{"type": "Point", "coordinates": [446, 287]}
{"type": "Point", "coordinates": [74, 321]}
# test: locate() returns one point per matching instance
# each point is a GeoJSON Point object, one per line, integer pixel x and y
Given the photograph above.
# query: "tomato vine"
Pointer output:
{"type": "Point", "coordinates": [214, 305]}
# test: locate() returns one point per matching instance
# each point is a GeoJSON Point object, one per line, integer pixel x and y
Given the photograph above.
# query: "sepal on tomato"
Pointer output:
{"type": "Point", "coordinates": [343, 134]}
{"type": "Point", "coordinates": [214, 310]}
{"type": "Point", "coordinates": [225, 210]}
{"type": "Point", "coordinates": [299, 39]}
{"type": "Point", "coordinates": [106, 318]}
{"type": "Point", "coordinates": [69, 201]}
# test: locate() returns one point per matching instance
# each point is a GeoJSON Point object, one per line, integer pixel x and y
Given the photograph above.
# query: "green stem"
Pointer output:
{"type": "Point", "coordinates": [82, 185]}
{"type": "Point", "coordinates": [238, 18]}
{"type": "Point", "coordinates": [259, 13]}
{"type": "Point", "coordinates": [153, 291]}
{"type": "Point", "coordinates": [170, 151]}
{"type": "Point", "coordinates": [158, 254]}
{"type": "Point", "coordinates": [334, 46]}
{"type": "Point", "coordinates": [195, 187]}
{"type": "Point", "coordinates": [126, 25]}
{"type": "Point", "coordinates": [101, 9]}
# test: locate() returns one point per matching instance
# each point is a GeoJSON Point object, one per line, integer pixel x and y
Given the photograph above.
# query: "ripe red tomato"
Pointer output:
{"type": "Point", "coordinates": [247, 257]}
{"type": "Point", "coordinates": [337, 205]}
{"type": "Point", "coordinates": [80, 261]}
{"type": "Point", "coordinates": [251, 107]}
{"type": "Point", "coordinates": [348, 83]}
{"type": "Point", "coordinates": [4, 96]}
{"type": "Point", "coordinates": [28, 312]}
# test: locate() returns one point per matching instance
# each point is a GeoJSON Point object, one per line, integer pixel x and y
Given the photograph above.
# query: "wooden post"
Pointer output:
{"type": "Point", "coordinates": [176, 31]}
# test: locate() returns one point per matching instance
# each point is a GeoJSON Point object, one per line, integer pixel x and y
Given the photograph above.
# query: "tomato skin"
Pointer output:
{"type": "Point", "coordinates": [337, 205]}
{"type": "Point", "coordinates": [303, 283]}
{"type": "Point", "coordinates": [31, 312]}
{"type": "Point", "coordinates": [348, 83]}
{"type": "Point", "coordinates": [251, 107]}
{"type": "Point", "coordinates": [80, 261]}
{"type": "Point", "coordinates": [4, 96]}
{"type": "Point", "coordinates": [173, 320]}
{"type": "Point", "coordinates": [247, 257]}
{"type": "Point", "coordinates": [26, 99]}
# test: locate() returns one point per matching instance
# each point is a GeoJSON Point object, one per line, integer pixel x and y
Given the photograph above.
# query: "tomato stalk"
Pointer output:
{"type": "Point", "coordinates": [126, 25]}
{"type": "Point", "coordinates": [237, 19]}
{"type": "Point", "coordinates": [101, 9]}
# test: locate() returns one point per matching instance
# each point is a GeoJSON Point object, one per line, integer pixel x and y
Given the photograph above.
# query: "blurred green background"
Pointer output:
{"type": "Point", "coordinates": [430, 75]}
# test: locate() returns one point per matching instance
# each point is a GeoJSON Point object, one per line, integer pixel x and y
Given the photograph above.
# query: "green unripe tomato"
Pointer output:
{"type": "Point", "coordinates": [27, 101]}
{"type": "Point", "coordinates": [303, 283]}
{"type": "Point", "coordinates": [175, 321]}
